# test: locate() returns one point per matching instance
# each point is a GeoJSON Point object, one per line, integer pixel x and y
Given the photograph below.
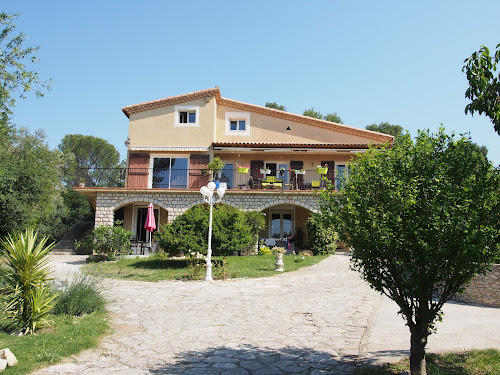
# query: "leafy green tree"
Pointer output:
{"type": "Point", "coordinates": [312, 113]}
{"type": "Point", "coordinates": [332, 117]}
{"type": "Point", "coordinates": [322, 236]}
{"type": "Point", "coordinates": [423, 219]}
{"type": "Point", "coordinates": [276, 106]}
{"type": "Point", "coordinates": [15, 77]}
{"type": "Point", "coordinates": [91, 160]}
{"type": "Point", "coordinates": [29, 179]}
{"type": "Point", "coordinates": [484, 84]}
{"type": "Point", "coordinates": [386, 128]}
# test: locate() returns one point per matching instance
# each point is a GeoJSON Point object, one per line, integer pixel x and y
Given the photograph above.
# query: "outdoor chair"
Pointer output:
{"type": "Point", "coordinates": [315, 184]}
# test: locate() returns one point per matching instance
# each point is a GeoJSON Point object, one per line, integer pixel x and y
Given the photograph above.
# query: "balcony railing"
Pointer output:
{"type": "Point", "coordinates": [149, 178]}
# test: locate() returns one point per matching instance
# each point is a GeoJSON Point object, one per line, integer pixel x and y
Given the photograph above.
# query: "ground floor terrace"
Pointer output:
{"type": "Point", "coordinates": [286, 211]}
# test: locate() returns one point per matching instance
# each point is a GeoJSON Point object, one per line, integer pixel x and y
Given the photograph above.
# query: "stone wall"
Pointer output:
{"type": "Point", "coordinates": [178, 202]}
{"type": "Point", "coordinates": [483, 289]}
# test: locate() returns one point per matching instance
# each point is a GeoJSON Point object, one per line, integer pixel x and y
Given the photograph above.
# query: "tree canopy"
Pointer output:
{"type": "Point", "coordinates": [422, 219]}
{"type": "Point", "coordinates": [15, 77]}
{"type": "Point", "coordinates": [484, 84]}
{"type": "Point", "coordinates": [386, 128]}
{"type": "Point", "coordinates": [332, 117]}
{"type": "Point", "coordinates": [90, 160]}
{"type": "Point", "coordinates": [276, 106]}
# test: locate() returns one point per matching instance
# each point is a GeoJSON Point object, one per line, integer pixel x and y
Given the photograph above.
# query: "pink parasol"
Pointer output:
{"type": "Point", "coordinates": [150, 225]}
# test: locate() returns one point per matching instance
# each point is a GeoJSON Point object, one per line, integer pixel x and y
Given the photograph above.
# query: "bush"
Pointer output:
{"type": "Point", "coordinates": [232, 230]}
{"type": "Point", "coordinates": [81, 296]}
{"type": "Point", "coordinates": [322, 237]}
{"type": "Point", "coordinates": [265, 250]}
{"type": "Point", "coordinates": [108, 241]}
{"type": "Point", "coordinates": [26, 298]}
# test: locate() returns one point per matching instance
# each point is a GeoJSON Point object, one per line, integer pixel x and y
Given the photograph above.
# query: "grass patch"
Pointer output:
{"type": "Point", "coordinates": [474, 362]}
{"type": "Point", "coordinates": [67, 336]}
{"type": "Point", "coordinates": [154, 269]}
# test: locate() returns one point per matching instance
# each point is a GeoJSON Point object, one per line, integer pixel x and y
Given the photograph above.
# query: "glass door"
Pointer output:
{"type": "Point", "coordinates": [281, 225]}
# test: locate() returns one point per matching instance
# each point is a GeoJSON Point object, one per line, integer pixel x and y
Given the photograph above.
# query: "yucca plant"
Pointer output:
{"type": "Point", "coordinates": [27, 295]}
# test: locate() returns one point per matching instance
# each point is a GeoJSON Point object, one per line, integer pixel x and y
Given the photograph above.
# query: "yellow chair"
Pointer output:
{"type": "Point", "coordinates": [315, 183]}
{"type": "Point", "coordinates": [271, 179]}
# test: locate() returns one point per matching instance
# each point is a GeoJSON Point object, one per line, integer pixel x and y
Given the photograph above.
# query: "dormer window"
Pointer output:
{"type": "Point", "coordinates": [186, 116]}
{"type": "Point", "coordinates": [237, 123]}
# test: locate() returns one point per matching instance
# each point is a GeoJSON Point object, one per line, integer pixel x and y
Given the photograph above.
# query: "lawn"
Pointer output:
{"type": "Point", "coordinates": [67, 336]}
{"type": "Point", "coordinates": [474, 362]}
{"type": "Point", "coordinates": [155, 269]}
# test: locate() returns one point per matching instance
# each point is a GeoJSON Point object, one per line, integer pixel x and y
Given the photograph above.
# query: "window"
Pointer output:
{"type": "Point", "coordinates": [281, 225]}
{"type": "Point", "coordinates": [237, 123]}
{"type": "Point", "coordinates": [187, 116]}
{"type": "Point", "coordinates": [170, 173]}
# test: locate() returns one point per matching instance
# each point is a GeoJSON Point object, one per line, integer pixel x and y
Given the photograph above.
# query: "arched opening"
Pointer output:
{"type": "Point", "coordinates": [286, 226]}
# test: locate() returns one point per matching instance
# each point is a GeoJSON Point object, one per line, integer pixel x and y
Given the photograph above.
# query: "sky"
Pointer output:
{"type": "Point", "coordinates": [368, 61]}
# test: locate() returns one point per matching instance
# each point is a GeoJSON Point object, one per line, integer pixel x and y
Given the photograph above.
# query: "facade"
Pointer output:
{"type": "Point", "coordinates": [271, 159]}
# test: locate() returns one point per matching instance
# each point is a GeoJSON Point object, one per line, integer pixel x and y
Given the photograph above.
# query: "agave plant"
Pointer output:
{"type": "Point", "coordinates": [27, 295]}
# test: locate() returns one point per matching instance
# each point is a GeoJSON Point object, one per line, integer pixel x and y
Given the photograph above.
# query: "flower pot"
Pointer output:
{"type": "Point", "coordinates": [322, 170]}
{"type": "Point", "coordinates": [298, 171]}
{"type": "Point", "coordinates": [279, 262]}
{"type": "Point", "coordinates": [243, 169]}
{"type": "Point", "coordinates": [265, 171]}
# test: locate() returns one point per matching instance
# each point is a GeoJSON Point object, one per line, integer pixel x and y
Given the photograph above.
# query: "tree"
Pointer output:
{"type": "Point", "coordinates": [422, 219]}
{"type": "Point", "coordinates": [276, 106]}
{"type": "Point", "coordinates": [29, 180]}
{"type": "Point", "coordinates": [91, 160]}
{"type": "Point", "coordinates": [14, 75]}
{"type": "Point", "coordinates": [332, 117]}
{"type": "Point", "coordinates": [312, 113]}
{"type": "Point", "coordinates": [484, 84]}
{"type": "Point", "coordinates": [386, 128]}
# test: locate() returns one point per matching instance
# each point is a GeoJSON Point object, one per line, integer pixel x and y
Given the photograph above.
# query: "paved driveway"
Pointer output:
{"type": "Point", "coordinates": [320, 319]}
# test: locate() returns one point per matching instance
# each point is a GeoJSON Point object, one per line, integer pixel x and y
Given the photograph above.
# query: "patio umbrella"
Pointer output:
{"type": "Point", "coordinates": [150, 225]}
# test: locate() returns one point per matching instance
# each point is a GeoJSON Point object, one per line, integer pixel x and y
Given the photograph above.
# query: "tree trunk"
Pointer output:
{"type": "Point", "coordinates": [417, 353]}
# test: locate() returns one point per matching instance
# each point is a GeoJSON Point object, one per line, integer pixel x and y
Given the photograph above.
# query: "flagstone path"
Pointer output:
{"type": "Point", "coordinates": [319, 320]}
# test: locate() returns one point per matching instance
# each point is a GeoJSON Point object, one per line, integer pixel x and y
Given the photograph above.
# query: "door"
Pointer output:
{"type": "Point", "coordinates": [285, 175]}
{"type": "Point", "coordinates": [227, 176]}
{"type": "Point", "coordinates": [142, 234]}
{"type": "Point", "coordinates": [297, 164]}
{"type": "Point", "coordinates": [281, 225]}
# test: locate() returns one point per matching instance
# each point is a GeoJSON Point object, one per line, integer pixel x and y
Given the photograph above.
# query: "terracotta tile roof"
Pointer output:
{"type": "Point", "coordinates": [171, 101]}
{"type": "Point", "coordinates": [291, 145]}
{"type": "Point", "coordinates": [215, 92]}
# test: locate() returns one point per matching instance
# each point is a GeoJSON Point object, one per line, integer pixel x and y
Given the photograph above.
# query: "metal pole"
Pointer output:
{"type": "Point", "coordinates": [209, 251]}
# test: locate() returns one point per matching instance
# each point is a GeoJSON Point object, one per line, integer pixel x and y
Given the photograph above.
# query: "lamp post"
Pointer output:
{"type": "Point", "coordinates": [208, 196]}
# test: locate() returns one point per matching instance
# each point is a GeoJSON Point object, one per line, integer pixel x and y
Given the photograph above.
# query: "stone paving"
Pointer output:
{"type": "Point", "coordinates": [318, 320]}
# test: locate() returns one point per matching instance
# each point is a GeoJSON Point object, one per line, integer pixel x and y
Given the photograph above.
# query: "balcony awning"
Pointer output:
{"type": "Point", "coordinates": [293, 147]}
{"type": "Point", "coordinates": [170, 148]}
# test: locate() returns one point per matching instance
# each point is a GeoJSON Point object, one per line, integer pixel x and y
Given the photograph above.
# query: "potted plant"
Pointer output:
{"type": "Point", "coordinates": [265, 171]}
{"type": "Point", "coordinates": [278, 252]}
{"type": "Point", "coordinates": [300, 171]}
{"type": "Point", "coordinates": [242, 168]}
{"type": "Point", "coordinates": [322, 170]}
{"type": "Point", "coordinates": [215, 167]}
{"type": "Point", "coordinates": [282, 172]}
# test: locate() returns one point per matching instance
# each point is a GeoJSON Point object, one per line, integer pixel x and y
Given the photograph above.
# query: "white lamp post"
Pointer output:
{"type": "Point", "coordinates": [208, 196]}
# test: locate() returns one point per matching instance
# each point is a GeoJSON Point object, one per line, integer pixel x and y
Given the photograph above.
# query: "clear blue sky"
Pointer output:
{"type": "Point", "coordinates": [369, 61]}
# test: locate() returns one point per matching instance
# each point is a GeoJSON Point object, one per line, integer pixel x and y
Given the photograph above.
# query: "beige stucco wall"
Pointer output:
{"type": "Point", "coordinates": [156, 127]}
{"type": "Point", "coordinates": [272, 130]}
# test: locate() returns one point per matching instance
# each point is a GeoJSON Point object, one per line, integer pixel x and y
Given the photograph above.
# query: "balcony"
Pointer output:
{"type": "Point", "coordinates": [194, 179]}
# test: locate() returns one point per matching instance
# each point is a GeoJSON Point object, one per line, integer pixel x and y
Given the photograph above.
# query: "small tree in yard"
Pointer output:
{"type": "Point", "coordinates": [423, 219]}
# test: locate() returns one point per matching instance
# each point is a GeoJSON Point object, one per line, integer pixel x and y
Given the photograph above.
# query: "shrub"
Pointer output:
{"type": "Point", "coordinates": [83, 295]}
{"type": "Point", "coordinates": [108, 241]}
{"type": "Point", "coordinates": [264, 250]}
{"type": "Point", "coordinates": [322, 237]}
{"type": "Point", "coordinates": [27, 298]}
{"type": "Point", "coordinates": [232, 230]}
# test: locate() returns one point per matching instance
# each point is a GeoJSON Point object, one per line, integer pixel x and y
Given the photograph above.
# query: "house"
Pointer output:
{"type": "Point", "coordinates": [271, 159]}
